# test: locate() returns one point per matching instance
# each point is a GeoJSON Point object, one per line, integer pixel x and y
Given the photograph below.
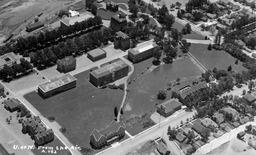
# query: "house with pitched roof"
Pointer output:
{"type": "Point", "coordinates": [169, 107]}
{"type": "Point", "coordinates": [115, 131]}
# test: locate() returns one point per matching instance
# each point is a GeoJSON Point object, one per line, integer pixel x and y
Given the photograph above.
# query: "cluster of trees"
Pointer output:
{"type": "Point", "coordinates": [195, 4]}
{"type": "Point", "coordinates": [140, 31]}
{"type": "Point", "coordinates": [165, 18]}
{"type": "Point", "coordinates": [112, 7]}
{"type": "Point", "coordinates": [187, 29]}
{"type": "Point", "coordinates": [44, 39]}
{"type": "Point", "coordinates": [242, 21]}
{"type": "Point", "coordinates": [77, 46]}
{"type": "Point", "coordinates": [8, 73]}
{"type": "Point", "coordinates": [161, 95]}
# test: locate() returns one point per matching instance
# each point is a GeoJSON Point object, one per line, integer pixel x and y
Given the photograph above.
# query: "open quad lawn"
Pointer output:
{"type": "Point", "coordinates": [80, 109]}
{"type": "Point", "coordinates": [213, 58]}
{"type": "Point", "coordinates": [106, 14]}
{"type": "Point", "coordinates": [142, 91]}
{"type": "Point", "coordinates": [51, 148]}
{"type": "Point", "coordinates": [192, 35]}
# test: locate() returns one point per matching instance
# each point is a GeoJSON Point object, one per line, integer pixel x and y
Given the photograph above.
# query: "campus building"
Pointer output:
{"type": "Point", "coordinates": [1, 90]}
{"type": "Point", "coordinates": [66, 64]}
{"type": "Point", "coordinates": [96, 54]}
{"type": "Point", "coordinates": [37, 131]}
{"type": "Point", "coordinates": [57, 85]}
{"type": "Point", "coordinates": [118, 22]}
{"type": "Point", "coordinates": [69, 21]}
{"type": "Point", "coordinates": [109, 72]}
{"type": "Point", "coordinates": [7, 59]}
{"type": "Point", "coordinates": [122, 41]}
{"type": "Point", "coordinates": [34, 26]}
{"type": "Point", "coordinates": [12, 104]}
{"type": "Point", "coordinates": [115, 131]}
{"type": "Point", "coordinates": [142, 52]}
{"type": "Point", "coordinates": [169, 107]}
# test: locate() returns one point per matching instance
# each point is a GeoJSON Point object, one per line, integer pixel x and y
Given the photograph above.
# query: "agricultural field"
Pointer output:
{"type": "Point", "coordinates": [79, 110]}
{"type": "Point", "coordinates": [213, 58]}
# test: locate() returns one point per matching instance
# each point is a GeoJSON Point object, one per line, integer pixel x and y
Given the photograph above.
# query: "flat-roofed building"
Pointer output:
{"type": "Point", "coordinates": [169, 107]}
{"type": "Point", "coordinates": [122, 41]}
{"type": "Point", "coordinates": [11, 104]}
{"type": "Point", "coordinates": [68, 21]}
{"type": "Point", "coordinates": [96, 54]}
{"type": "Point", "coordinates": [34, 26]}
{"type": "Point", "coordinates": [109, 72]}
{"type": "Point", "coordinates": [142, 52]}
{"type": "Point", "coordinates": [66, 64]}
{"type": "Point", "coordinates": [7, 59]}
{"type": "Point", "coordinates": [57, 85]}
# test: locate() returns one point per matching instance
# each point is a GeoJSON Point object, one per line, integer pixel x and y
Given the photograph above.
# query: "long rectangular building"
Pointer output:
{"type": "Point", "coordinates": [142, 52]}
{"type": "Point", "coordinates": [57, 85]}
{"type": "Point", "coordinates": [109, 72]}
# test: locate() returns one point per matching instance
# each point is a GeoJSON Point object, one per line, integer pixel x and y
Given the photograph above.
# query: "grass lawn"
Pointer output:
{"type": "Point", "coordinates": [141, 99]}
{"type": "Point", "coordinates": [81, 109]}
{"type": "Point", "coordinates": [213, 58]}
{"type": "Point", "coordinates": [106, 14]}
{"type": "Point", "coordinates": [192, 35]}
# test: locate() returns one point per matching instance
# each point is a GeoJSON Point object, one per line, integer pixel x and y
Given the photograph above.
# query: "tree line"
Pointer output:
{"type": "Point", "coordinates": [48, 56]}
{"type": "Point", "coordinates": [8, 73]}
{"type": "Point", "coordinates": [24, 45]}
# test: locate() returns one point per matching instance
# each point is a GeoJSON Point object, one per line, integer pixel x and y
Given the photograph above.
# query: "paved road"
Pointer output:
{"type": "Point", "coordinates": [152, 133]}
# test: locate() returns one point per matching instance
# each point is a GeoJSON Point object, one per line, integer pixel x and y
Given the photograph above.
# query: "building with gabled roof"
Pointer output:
{"type": "Point", "coordinates": [168, 107]}
{"type": "Point", "coordinates": [12, 104]}
{"type": "Point", "coordinates": [69, 21]}
{"type": "Point", "coordinates": [34, 26]}
{"type": "Point", "coordinates": [115, 131]}
{"type": "Point", "coordinates": [57, 85]}
{"type": "Point", "coordinates": [142, 51]}
{"type": "Point", "coordinates": [109, 72]}
{"type": "Point", "coordinates": [249, 98]}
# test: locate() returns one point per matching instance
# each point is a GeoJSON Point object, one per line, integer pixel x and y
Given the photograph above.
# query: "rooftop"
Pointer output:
{"type": "Point", "coordinates": [109, 68]}
{"type": "Point", "coordinates": [35, 25]}
{"type": "Point", "coordinates": [143, 47]}
{"type": "Point", "coordinates": [111, 128]}
{"type": "Point", "coordinates": [170, 105]}
{"type": "Point", "coordinates": [8, 59]}
{"type": "Point", "coordinates": [11, 103]}
{"type": "Point", "coordinates": [119, 17]}
{"type": "Point", "coordinates": [96, 52]}
{"type": "Point", "coordinates": [76, 19]}
{"type": "Point", "coordinates": [249, 97]}
{"type": "Point", "coordinates": [122, 35]}
{"type": "Point", "coordinates": [57, 82]}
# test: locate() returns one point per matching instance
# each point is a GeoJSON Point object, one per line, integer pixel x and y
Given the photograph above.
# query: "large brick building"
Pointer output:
{"type": "Point", "coordinates": [57, 85]}
{"type": "Point", "coordinates": [96, 54]}
{"type": "Point", "coordinates": [118, 22]}
{"type": "Point", "coordinates": [122, 41]}
{"type": "Point", "coordinates": [37, 131]}
{"type": "Point", "coordinates": [66, 64]}
{"type": "Point", "coordinates": [142, 52]}
{"type": "Point", "coordinates": [115, 131]}
{"type": "Point", "coordinates": [109, 72]}
{"type": "Point", "coordinates": [169, 107]}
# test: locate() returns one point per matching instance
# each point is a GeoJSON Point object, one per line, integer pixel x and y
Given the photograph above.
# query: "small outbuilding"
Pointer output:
{"type": "Point", "coordinates": [96, 54]}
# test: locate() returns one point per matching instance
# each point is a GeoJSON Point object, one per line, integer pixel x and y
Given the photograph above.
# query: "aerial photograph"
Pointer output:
{"type": "Point", "coordinates": [128, 77]}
